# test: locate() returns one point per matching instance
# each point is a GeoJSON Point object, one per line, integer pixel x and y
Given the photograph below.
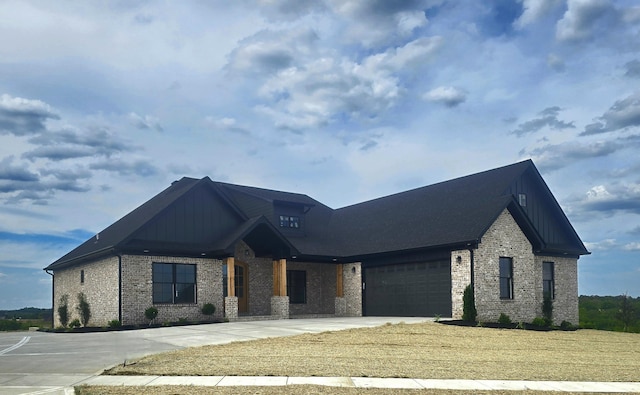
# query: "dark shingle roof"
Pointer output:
{"type": "Point", "coordinates": [451, 213]}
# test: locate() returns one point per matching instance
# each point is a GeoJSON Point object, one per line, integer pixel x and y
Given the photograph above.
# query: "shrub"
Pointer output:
{"type": "Point", "coordinates": [208, 309]}
{"type": "Point", "coordinates": [539, 321]}
{"type": "Point", "coordinates": [567, 326]}
{"type": "Point", "coordinates": [504, 319]}
{"type": "Point", "coordinates": [10, 325]}
{"type": "Point", "coordinates": [151, 313]}
{"type": "Point", "coordinates": [469, 312]}
{"type": "Point", "coordinates": [547, 310]}
{"type": "Point", "coordinates": [63, 310]}
{"type": "Point", "coordinates": [83, 309]}
{"type": "Point", "coordinates": [626, 314]}
{"type": "Point", "coordinates": [115, 324]}
{"type": "Point", "coordinates": [75, 323]}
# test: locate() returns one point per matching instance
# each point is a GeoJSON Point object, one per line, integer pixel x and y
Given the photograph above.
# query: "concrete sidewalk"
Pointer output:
{"type": "Point", "coordinates": [355, 382]}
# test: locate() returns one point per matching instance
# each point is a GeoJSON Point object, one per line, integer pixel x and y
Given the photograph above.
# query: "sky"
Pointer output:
{"type": "Point", "coordinates": [104, 103]}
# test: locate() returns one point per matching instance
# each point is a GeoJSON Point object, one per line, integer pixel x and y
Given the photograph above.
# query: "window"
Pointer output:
{"type": "Point", "coordinates": [81, 276]}
{"type": "Point", "coordinates": [289, 221]}
{"type": "Point", "coordinates": [506, 278]}
{"type": "Point", "coordinates": [174, 283]}
{"type": "Point", "coordinates": [522, 199]}
{"type": "Point", "coordinates": [297, 286]}
{"type": "Point", "coordinates": [548, 283]}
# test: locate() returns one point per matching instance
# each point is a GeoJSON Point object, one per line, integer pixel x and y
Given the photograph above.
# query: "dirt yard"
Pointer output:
{"type": "Point", "coordinates": [428, 350]}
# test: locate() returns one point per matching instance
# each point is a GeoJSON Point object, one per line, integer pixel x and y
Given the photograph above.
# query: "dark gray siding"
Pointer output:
{"type": "Point", "coordinates": [199, 217]}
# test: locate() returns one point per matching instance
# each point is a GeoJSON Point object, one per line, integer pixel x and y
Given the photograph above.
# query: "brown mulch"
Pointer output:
{"type": "Point", "coordinates": [427, 350]}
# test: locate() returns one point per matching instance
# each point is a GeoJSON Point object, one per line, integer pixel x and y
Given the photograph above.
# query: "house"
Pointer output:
{"type": "Point", "coordinates": [259, 252]}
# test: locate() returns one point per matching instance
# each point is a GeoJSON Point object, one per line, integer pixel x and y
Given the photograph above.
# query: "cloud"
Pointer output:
{"type": "Point", "coordinates": [447, 95]}
{"type": "Point", "coordinates": [374, 23]}
{"type": "Point", "coordinates": [547, 118]}
{"type": "Point", "coordinates": [146, 122]}
{"type": "Point", "coordinates": [603, 245]}
{"type": "Point", "coordinates": [623, 114]}
{"type": "Point", "coordinates": [70, 143]}
{"type": "Point", "coordinates": [268, 51]}
{"type": "Point", "coordinates": [22, 117]}
{"type": "Point", "coordinates": [533, 10]}
{"type": "Point", "coordinates": [635, 231]}
{"type": "Point", "coordinates": [583, 18]}
{"type": "Point", "coordinates": [634, 246]}
{"type": "Point", "coordinates": [140, 168]}
{"type": "Point", "coordinates": [326, 89]}
{"type": "Point", "coordinates": [556, 156]}
{"type": "Point", "coordinates": [555, 63]}
{"type": "Point", "coordinates": [15, 173]}
{"type": "Point", "coordinates": [633, 68]}
{"type": "Point", "coordinates": [225, 124]}
{"type": "Point", "coordinates": [610, 199]}
{"type": "Point", "coordinates": [287, 10]}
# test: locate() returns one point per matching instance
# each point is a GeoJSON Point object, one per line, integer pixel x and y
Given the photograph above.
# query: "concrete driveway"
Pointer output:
{"type": "Point", "coordinates": [48, 362]}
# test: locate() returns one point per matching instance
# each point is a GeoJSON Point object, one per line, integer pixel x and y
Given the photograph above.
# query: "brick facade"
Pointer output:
{"type": "Point", "coordinates": [137, 289]}
{"type": "Point", "coordinates": [460, 278]}
{"type": "Point", "coordinates": [100, 287]}
{"type": "Point", "coordinates": [505, 239]}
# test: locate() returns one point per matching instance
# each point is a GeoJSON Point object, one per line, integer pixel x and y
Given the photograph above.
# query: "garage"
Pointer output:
{"type": "Point", "coordinates": [420, 289]}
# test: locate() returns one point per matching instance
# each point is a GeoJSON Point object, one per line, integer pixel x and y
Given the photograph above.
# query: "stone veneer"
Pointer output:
{"type": "Point", "coordinates": [505, 239]}
{"type": "Point", "coordinates": [100, 288]}
{"type": "Point", "coordinates": [137, 289]}
{"type": "Point", "coordinates": [352, 288]}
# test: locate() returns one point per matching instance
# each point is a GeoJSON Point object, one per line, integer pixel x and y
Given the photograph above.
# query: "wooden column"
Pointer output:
{"type": "Point", "coordinates": [283, 277]}
{"type": "Point", "coordinates": [339, 287]}
{"type": "Point", "coordinates": [280, 277]}
{"type": "Point", "coordinates": [276, 277]}
{"type": "Point", "coordinates": [231, 276]}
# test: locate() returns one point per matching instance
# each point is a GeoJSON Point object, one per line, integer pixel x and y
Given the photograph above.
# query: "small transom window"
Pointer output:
{"type": "Point", "coordinates": [289, 221]}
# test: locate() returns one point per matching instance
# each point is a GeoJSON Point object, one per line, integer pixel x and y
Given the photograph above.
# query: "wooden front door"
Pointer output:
{"type": "Point", "coordinates": [242, 290]}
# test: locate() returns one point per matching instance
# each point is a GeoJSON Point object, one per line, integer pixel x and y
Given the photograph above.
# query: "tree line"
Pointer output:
{"type": "Point", "coordinates": [610, 313]}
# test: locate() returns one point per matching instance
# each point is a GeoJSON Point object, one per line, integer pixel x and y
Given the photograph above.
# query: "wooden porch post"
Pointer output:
{"type": "Point", "coordinates": [280, 277]}
{"type": "Point", "coordinates": [231, 276]}
{"type": "Point", "coordinates": [339, 287]}
{"type": "Point", "coordinates": [283, 277]}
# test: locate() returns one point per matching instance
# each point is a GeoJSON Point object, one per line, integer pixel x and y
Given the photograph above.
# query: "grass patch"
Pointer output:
{"type": "Point", "coordinates": [426, 350]}
{"type": "Point", "coordinates": [22, 324]}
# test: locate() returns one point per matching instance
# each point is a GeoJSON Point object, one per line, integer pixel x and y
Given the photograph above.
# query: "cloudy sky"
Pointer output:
{"type": "Point", "coordinates": [104, 103]}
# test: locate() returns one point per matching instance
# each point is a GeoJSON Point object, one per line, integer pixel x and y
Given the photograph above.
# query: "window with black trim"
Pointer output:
{"type": "Point", "coordinates": [81, 276]}
{"type": "Point", "coordinates": [506, 278]}
{"type": "Point", "coordinates": [174, 283]}
{"type": "Point", "coordinates": [522, 199]}
{"type": "Point", "coordinates": [548, 281]}
{"type": "Point", "coordinates": [297, 286]}
{"type": "Point", "coordinates": [289, 221]}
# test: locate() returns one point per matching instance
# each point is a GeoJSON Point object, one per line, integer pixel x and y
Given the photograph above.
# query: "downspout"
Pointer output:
{"type": "Point", "coordinates": [53, 296]}
{"type": "Point", "coordinates": [119, 287]}
{"type": "Point", "coordinates": [471, 265]}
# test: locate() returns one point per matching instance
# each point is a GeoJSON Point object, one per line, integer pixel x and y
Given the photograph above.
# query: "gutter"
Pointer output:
{"type": "Point", "coordinates": [53, 295]}
{"type": "Point", "coordinates": [119, 288]}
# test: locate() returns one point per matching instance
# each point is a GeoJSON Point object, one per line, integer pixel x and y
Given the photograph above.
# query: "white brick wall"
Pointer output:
{"type": "Point", "coordinates": [100, 287]}
{"type": "Point", "coordinates": [505, 239]}
{"type": "Point", "coordinates": [137, 289]}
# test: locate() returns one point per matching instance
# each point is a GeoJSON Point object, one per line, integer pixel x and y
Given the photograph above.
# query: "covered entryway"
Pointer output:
{"type": "Point", "coordinates": [409, 289]}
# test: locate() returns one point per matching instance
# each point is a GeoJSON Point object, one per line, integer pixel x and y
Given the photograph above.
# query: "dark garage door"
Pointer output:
{"type": "Point", "coordinates": [408, 289]}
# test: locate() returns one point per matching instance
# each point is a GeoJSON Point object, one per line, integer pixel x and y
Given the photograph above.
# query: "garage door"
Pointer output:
{"type": "Point", "coordinates": [410, 289]}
